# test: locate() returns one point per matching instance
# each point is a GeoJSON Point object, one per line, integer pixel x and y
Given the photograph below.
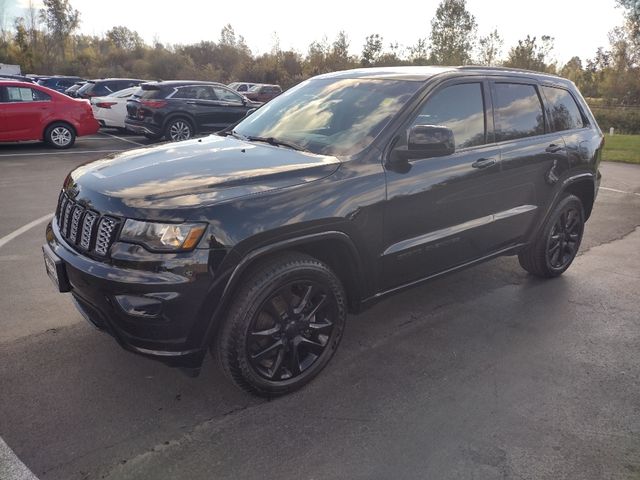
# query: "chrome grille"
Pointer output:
{"type": "Point", "coordinates": [84, 228]}
{"type": "Point", "coordinates": [87, 229]}
{"type": "Point", "coordinates": [75, 223]}
{"type": "Point", "coordinates": [105, 235]}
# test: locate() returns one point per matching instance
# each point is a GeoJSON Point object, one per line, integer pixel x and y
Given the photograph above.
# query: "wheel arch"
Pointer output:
{"type": "Point", "coordinates": [53, 122]}
{"type": "Point", "coordinates": [180, 114]}
{"type": "Point", "coordinates": [582, 187]}
{"type": "Point", "coordinates": [335, 248]}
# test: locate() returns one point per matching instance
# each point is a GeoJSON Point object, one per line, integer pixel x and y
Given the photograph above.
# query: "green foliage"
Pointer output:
{"type": "Point", "coordinates": [622, 148]}
{"type": "Point", "coordinates": [531, 54]}
{"type": "Point", "coordinates": [453, 33]}
{"type": "Point", "coordinates": [371, 50]}
{"type": "Point", "coordinates": [623, 120]}
{"type": "Point", "coordinates": [490, 48]}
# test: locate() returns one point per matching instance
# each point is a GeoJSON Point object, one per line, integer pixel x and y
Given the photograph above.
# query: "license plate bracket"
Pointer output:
{"type": "Point", "coordinates": [56, 270]}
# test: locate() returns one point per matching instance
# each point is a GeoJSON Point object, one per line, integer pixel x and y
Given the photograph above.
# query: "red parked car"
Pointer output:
{"type": "Point", "coordinates": [32, 112]}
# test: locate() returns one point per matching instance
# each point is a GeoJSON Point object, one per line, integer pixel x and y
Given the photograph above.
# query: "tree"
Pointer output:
{"type": "Point", "coordinates": [419, 53]}
{"type": "Point", "coordinates": [371, 50]}
{"type": "Point", "coordinates": [124, 39]}
{"type": "Point", "coordinates": [61, 19]}
{"type": "Point", "coordinates": [531, 54]}
{"type": "Point", "coordinates": [453, 33]}
{"type": "Point", "coordinates": [490, 48]}
{"type": "Point", "coordinates": [632, 15]}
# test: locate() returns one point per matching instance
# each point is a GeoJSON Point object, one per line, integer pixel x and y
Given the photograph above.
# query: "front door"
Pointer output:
{"type": "Point", "coordinates": [438, 208]}
{"type": "Point", "coordinates": [23, 110]}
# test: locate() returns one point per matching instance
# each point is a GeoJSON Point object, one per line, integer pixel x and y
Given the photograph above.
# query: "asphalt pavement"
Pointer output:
{"type": "Point", "coordinates": [487, 373]}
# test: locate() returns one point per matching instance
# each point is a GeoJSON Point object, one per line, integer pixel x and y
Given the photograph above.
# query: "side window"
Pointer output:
{"type": "Point", "coordinates": [39, 96]}
{"type": "Point", "coordinates": [518, 111]}
{"type": "Point", "coordinates": [460, 108]}
{"type": "Point", "coordinates": [242, 88]}
{"type": "Point", "coordinates": [565, 114]}
{"type": "Point", "coordinates": [227, 95]}
{"type": "Point", "coordinates": [22, 94]}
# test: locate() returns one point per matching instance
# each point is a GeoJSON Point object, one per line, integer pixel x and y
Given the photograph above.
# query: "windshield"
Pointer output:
{"type": "Point", "coordinates": [330, 116]}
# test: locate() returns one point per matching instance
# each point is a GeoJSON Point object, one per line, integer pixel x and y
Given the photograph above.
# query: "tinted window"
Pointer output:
{"type": "Point", "coordinates": [460, 108]}
{"type": "Point", "coordinates": [242, 88]}
{"type": "Point", "coordinates": [21, 94]}
{"type": "Point", "coordinates": [331, 116]}
{"type": "Point", "coordinates": [227, 95]}
{"type": "Point", "coordinates": [565, 114]}
{"type": "Point", "coordinates": [517, 111]}
{"type": "Point", "coordinates": [197, 92]}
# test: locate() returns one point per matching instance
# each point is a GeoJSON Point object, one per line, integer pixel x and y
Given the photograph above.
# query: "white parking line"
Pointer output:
{"type": "Point", "coordinates": [619, 191]}
{"type": "Point", "coordinates": [123, 139]}
{"type": "Point", "coordinates": [72, 152]}
{"type": "Point", "coordinates": [16, 233]}
{"type": "Point", "coordinates": [11, 468]}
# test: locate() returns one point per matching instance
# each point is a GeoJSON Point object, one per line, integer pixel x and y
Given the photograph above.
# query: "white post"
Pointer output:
{"type": "Point", "coordinates": [611, 131]}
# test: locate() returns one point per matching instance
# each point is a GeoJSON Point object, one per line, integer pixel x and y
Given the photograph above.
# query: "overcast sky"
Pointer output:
{"type": "Point", "coordinates": [579, 27]}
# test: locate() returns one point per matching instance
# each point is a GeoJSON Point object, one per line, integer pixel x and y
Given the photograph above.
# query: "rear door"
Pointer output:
{"type": "Point", "coordinates": [532, 155]}
{"type": "Point", "coordinates": [25, 110]}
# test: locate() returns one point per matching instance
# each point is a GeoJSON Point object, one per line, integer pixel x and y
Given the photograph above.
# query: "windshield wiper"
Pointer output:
{"type": "Point", "coordinates": [275, 142]}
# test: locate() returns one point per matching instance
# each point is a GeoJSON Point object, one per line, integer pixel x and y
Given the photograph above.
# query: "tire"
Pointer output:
{"type": "Point", "coordinates": [283, 326]}
{"type": "Point", "coordinates": [60, 135]}
{"type": "Point", "coordinates": [178, 129]}
{"type": "Point", "coordinates": [557, 244]}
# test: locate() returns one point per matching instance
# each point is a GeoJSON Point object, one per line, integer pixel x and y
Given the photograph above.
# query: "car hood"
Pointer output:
{"type": "Point", "coordinates": [191, 174]}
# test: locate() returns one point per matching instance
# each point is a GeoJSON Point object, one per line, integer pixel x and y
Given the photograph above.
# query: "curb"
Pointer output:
{"type": "Point", "coordinates": [11, 468]}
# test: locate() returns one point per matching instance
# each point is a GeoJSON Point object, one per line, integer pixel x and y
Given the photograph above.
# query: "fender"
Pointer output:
{"type": "Point", "coordinates": [561, 189]}
{"type": "Point", "coordinates": [262, 252]}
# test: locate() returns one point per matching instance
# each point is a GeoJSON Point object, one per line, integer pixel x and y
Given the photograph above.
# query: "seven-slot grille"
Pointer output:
{"type": "Point", "coordinates": [85, 228]}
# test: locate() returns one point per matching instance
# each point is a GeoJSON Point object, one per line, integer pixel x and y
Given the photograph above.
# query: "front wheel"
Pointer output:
{"type": "Point", "coordinates": [283, 326]}
{"type": "Point", "coordinates": [557, 244]}
{"type": "Point", "coordinates": [60, 135]}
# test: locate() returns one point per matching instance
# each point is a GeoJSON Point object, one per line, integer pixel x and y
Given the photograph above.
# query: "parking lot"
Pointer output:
{"type": "Point", "coordinates": [483, 374]}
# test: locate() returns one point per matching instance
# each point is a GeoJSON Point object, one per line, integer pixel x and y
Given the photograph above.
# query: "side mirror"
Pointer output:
{"type": "Point", "coordinates": [430, 141]}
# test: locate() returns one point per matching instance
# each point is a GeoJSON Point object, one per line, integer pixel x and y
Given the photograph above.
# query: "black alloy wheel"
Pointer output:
{"type": "Point", "coordinates": [283, 325]}
{"type": "Point", "coordinates": [556, 245]}
{"type": "Point", "coordinates": [564, 238]}
{"type": "Point", "coordinates": [291, 330]}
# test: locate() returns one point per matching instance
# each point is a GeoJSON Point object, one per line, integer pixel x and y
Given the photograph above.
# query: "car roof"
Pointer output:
{"type": "Point", "coordinates": [182, 83]}
{"type": "Point", "coordinates": [96, 80]}
{"type": "Point", "coordinates": [423, 73]}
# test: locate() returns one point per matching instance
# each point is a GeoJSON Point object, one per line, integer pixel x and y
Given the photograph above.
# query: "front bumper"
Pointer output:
{"type": "Point", "coordinates": [158, 308]}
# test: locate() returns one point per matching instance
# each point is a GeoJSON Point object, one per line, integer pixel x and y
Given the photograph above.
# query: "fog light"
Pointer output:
{"type": "Point", "coordinates": [139, 306]}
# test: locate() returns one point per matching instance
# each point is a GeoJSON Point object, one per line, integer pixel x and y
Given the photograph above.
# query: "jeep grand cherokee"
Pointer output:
{"type": "Point", "coordinates": [256, 242]}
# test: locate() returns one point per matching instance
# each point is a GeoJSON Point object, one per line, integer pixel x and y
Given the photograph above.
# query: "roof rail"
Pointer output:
{"type": "Point", "coordinates": [503, 69]}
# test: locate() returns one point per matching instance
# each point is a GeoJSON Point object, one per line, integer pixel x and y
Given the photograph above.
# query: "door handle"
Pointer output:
{"type": "Point", "coordinates": [192, 102]}
{"type": "Point", "coordinates": [483, 163]}
{"type": "Point", "coordinates": [553, 148]}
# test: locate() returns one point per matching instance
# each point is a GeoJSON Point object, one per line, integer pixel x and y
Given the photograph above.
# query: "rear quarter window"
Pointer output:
{"type": "Point", "coordinates": [563, 109]}
{"type": "Point", "coordinates": [517, 110]}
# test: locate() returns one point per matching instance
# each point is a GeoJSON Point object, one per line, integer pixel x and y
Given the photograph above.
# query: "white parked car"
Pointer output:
{"type": "Point", "coordinates": [110, 111]}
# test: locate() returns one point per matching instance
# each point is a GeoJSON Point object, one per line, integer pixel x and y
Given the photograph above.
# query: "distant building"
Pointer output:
{"type": "Point", "coordinates": [10, 69]}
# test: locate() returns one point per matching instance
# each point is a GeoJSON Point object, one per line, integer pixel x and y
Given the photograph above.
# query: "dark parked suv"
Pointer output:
{"type": "Point", "coordinates": [256, 242]}
{"type": "Point", "coordinates": [179, 109]}
{"type": "Point", "coordinates": [59, 83]}
{"type": "Point", "coordinates": [105, 86]}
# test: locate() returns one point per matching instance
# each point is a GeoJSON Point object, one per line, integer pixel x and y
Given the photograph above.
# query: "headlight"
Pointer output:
{"type": "Point", "coordinates": [162, 236]}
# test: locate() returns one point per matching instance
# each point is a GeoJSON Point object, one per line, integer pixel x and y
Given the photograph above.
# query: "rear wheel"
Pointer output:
{"type": "Point", "coordinates": [284, 325]}
{"type": "Point", "coordinates": [179, 129]}
{"type": "Point", "coordinates": [558, 242]}
{"type": "Point", "coordinates": [60, 135]}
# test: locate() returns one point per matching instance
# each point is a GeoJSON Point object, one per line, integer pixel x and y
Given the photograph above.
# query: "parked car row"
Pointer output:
{"type": "Point", "coordinates": [174, 110]}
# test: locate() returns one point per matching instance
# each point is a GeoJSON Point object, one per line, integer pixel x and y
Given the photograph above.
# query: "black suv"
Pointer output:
{"type": "Point", "coordinates": [256, 242]}
{"type": "Point", "coordinates": [178, 110]}
{"type": "Point", "coordinates": [106, 86]}
{"type": "Point", "coordinates": [59, 83]}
